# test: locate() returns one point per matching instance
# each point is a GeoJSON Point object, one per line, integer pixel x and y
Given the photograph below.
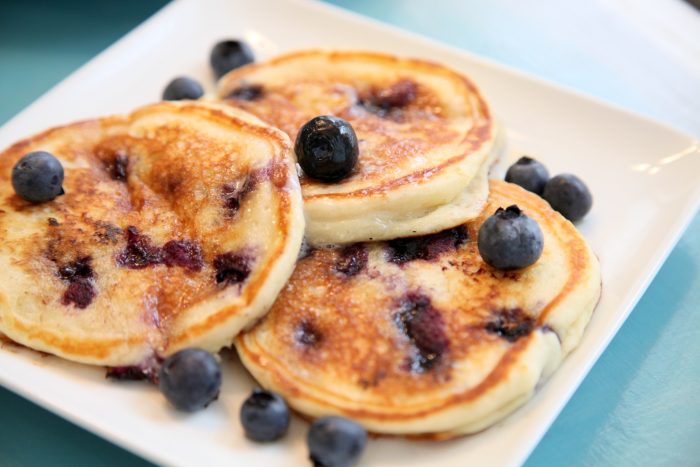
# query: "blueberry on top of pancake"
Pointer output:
{"type": "Point", "coordinates": [426, 139]}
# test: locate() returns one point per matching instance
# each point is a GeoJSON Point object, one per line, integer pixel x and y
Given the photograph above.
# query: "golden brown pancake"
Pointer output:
{"type": "Point", "coordinates": [424, 132]}
{"type": "Point", "coordinates": [179, 225]}
{"type": "Point", "coordinates": [419, 335]}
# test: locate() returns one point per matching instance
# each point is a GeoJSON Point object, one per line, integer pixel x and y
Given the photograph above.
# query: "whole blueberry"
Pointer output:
{"type": "Point", "coordinates": [190, 379]}
{"type": "Point", "coordinates": [228, 55]}
{"type": "Point", "coordinates": [38, 177]}
{"type": "Point", "coordinates": [510, 240]}
{"type": "Point", "coordinates": [264, 416]}
{"type": "Point", "coordinates": [529, 174]}
{"type": "Point", "coordinates": [326, 148]}
{"type": "Point", "coordinates": [182, 88]}
{"type": "Point", "coordinates": [335, 442]}
{"type": "Point", "coordinates": [568, 194]}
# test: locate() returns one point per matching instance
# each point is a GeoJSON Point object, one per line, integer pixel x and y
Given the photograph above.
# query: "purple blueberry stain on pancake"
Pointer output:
{"type": "Point", "coordinates": [232, 268]}
{"type": "Point", "coordinates": [79, 275]}
{"type": "Point", "coordinates": [399, 94]}
{"type": "Point", "coordinates": [78, 269]}
{"type": "Point", "coordinates": [139, 251]}
{"type": "Point", "coordinates": [307, 334]}
{"type": "Point", "coordinates": [247, 92]}
{"type": "Point", "coordinates": [235, 192]}
{"type": "Point", "coordinates": [183, 253]}
{"type": "Point", "coordinates": [79, 293]}
{"type": "Point", "coordinates": [424, 326]}
{"type": "Point", "coordinates": [351, 260]}
{"type": "Point", "coordinates": [426, 247]}
{"type": "Point", "coordinates": [383, 101]}
{"type": "Point", "coordinates": [510, 323]}
{"type": "Point", "coordinates": [146, 371]}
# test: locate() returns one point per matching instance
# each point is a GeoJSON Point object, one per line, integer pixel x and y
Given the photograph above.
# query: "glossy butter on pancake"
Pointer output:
{"type": "Point", "coordinates": [424, 132]}
{"type": "Point", "coordinates": [179, 225]}
{"type": "Point", "coordinates": [419, 335]}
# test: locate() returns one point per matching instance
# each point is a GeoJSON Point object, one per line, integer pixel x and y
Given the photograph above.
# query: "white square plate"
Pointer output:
{"type": "Point", "coordinates": [643, 177]}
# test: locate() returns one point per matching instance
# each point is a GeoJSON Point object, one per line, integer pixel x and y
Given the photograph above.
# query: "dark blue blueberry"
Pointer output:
{"type": "Point", "coordinates": [510, 240]}
{"type": "Point", "coordinates": [529, 174]}
{"type": "Point", "coordinates": [568, 194]}
{"type": "Point", "coordinates": [183, 88]}
{"type": "Point", "coordinates": [38, 177]}
{"type": "Point", "coordinates": [190, 379]}
{"type": "Point", "coordinates": [264, 416]}
{"type": "Point", "coordinates": [228, 55]}
{"type": "Point", "coordinates": [335, 442]}
{"type": "Point", "coordinates": [326, 148]}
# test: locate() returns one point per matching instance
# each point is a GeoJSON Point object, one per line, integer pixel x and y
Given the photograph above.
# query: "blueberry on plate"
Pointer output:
{"type": "Point", "coordinates": [190, 379]}
{"type": "Point", "coordinates": [568, 194]}
{"type": "Point", "coordinates": [335, 442]}
{"type": "Point", "coordinates": [228, 55]}
{"type": "Point", "coordinates": [182, 88]}
{"type": "Point", "coordinates": [510, 240]}
{"type": "Point", "coordinates": [264, 416]}
{"type": "Point", "coordinates": [529, 174]}
{"type": "Point", "coordinates": [326, 148]}
{"type": "Point", "coordinates": [38, 177]}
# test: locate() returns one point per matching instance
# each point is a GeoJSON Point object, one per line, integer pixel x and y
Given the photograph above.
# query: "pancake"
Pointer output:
{"type": "Point", "coordinates": [179, 225]}
{"type": "Point", "coordinates": [424, 133]}
{"type": "Point", "coordinates": [418, 336]}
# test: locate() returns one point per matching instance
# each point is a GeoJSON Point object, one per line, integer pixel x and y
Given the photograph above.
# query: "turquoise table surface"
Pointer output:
{"type": "Point", "coordinates": [639, 405]}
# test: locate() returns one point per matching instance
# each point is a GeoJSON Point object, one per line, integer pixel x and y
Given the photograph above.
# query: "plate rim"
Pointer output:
{"type": "Point", "coordinates": [630, 299]}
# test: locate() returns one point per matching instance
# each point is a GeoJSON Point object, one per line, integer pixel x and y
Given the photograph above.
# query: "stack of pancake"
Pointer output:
{"type": "Point", "coordinates": [182, 223]}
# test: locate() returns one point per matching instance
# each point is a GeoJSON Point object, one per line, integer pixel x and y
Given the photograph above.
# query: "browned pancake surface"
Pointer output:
{"type": "Point", "coordinates": [410, 328]}
{"type": "Point", "coordinates": [161, 218]}
{"type": "Point", "coordinates": [397, 117]}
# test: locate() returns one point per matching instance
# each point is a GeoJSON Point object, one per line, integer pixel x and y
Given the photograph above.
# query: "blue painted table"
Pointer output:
{"type": "Point", "coordinates": [639, 405]}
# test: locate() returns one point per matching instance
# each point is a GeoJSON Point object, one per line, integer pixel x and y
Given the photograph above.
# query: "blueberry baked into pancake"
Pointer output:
{"type": "Point", "coordinates": [174, 226]}
{"type": "Point", "coordinates": [442, 334]}
{"type": "Point", "coordinates": [426, 139]}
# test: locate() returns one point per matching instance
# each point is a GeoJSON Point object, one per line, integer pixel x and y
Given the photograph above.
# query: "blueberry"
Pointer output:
{"type": "Point", "coordinates": [529, 174]}
{"type": "Point", "coordinates": [264, 416]}
{"type": "Point", "coordinates": [326, 148]}
{"type": "Point", "coordinates": [228, 55]}
{"type": "Point", "coordinates": [190, 379]}
{"type": "Point", "coordinates": [181, 88]}
{"type": "Point", "coordinates": [568, 194]}
{"type": "Point", "coordinates": [335, 442]}
{"type": "Point", "coordinates": [510, 240]}
{"type": "Point", "coordinates": [38, 177]}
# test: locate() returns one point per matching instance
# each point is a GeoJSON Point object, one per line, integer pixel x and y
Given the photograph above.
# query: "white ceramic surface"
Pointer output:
{"type": "Point", "coordinates": [642, 174]}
